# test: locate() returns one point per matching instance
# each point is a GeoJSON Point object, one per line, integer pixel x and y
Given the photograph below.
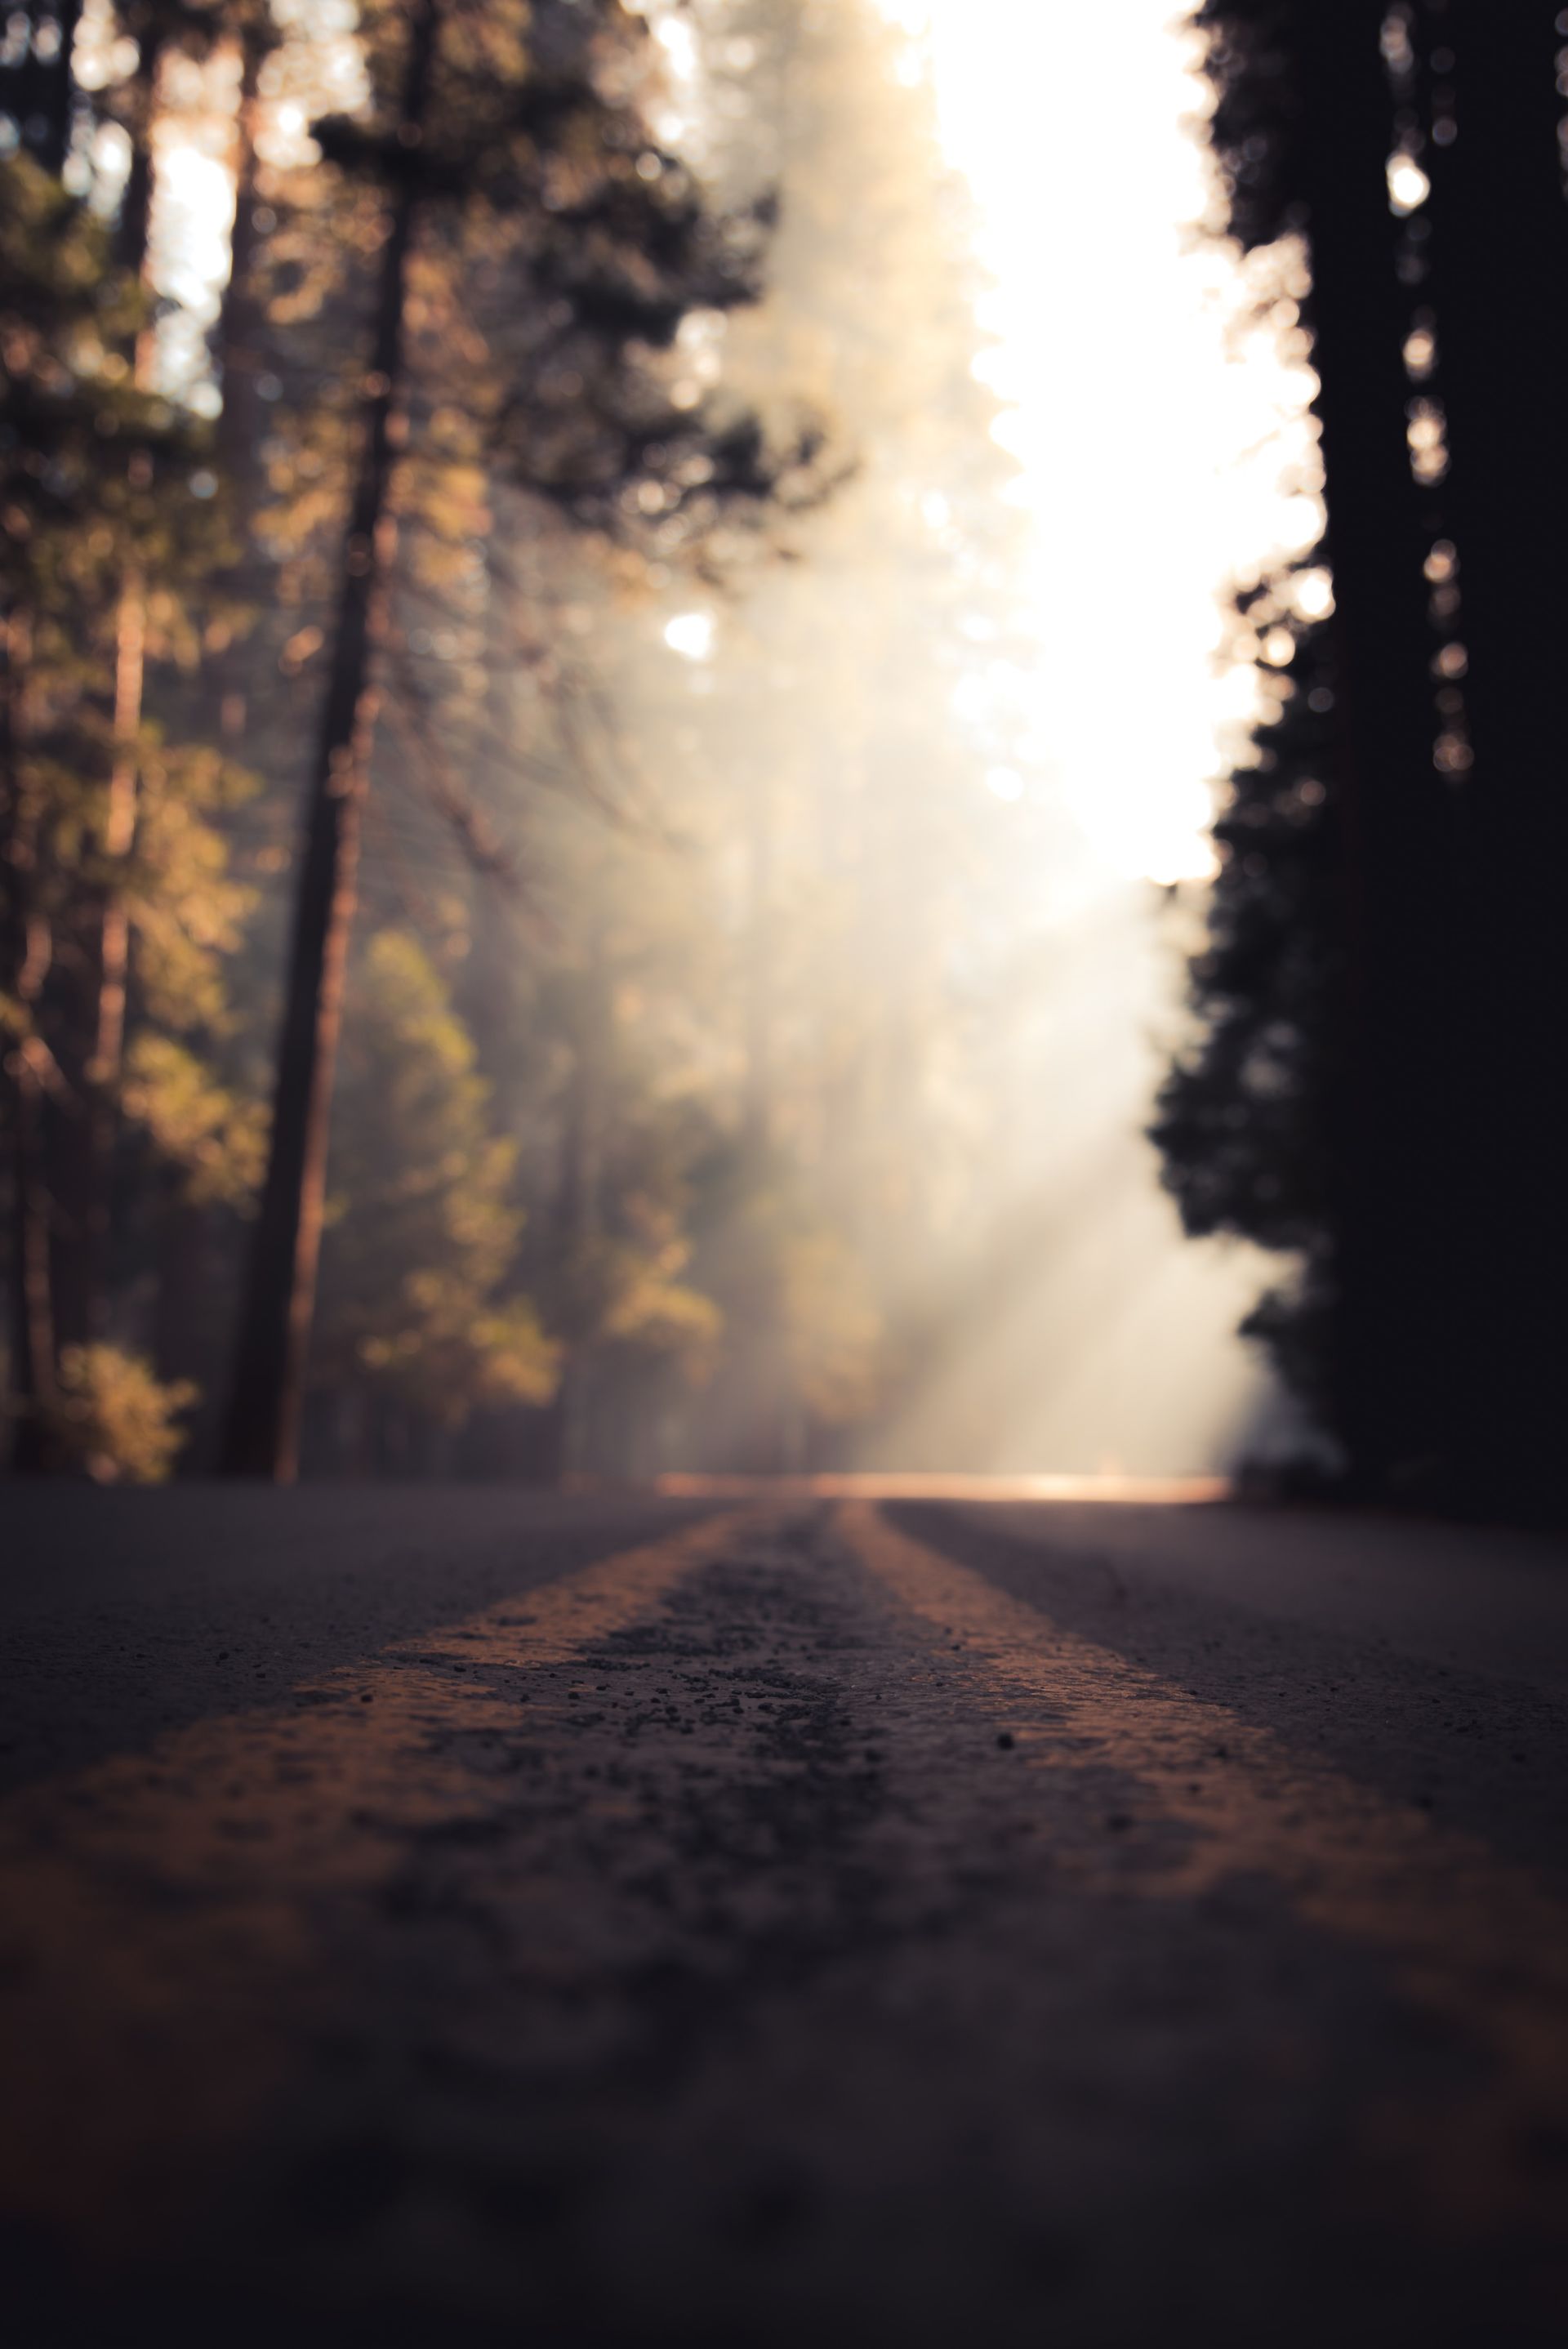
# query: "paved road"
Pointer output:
{"type": "Point", "coordinates": [450, 1918]}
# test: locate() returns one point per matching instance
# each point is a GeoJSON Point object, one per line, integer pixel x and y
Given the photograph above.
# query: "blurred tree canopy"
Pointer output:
{"type": "Point", "coordinates": [384, 492]}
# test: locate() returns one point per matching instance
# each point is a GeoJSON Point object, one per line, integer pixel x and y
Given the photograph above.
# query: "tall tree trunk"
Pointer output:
{"type": "Point", "coordinates": [51, 1141]}
{"type": "Point", "coordinates": [237, 340]}
{"type": "Point", "coordinates": [1499, 244]}
{"type": "Point", "coordinates": [38, 89]}
{"type": "Point", "coordinates": [263, 1432]}
{"type": "Point", "coordinates": [61, 90]}
{"type": "Point", "coordinates": [578, 1224]}
{"type": "Point", "coordinates": [133, 228]}
{"type": "Point", "coordinates": [754, 1402]}
{"type": "Point", "coordinates": [120, 833]}
{"type": "Point", "coordinates": [26, 947]}
{"type": "Point", "coordinates": [1395, 1221]}
{"type": "Point", "coordinates": [34, 1395]}
{"type": "Point", "coordinates": [183, 1300]}
{"type": "Point", "coordinates": [132, 240]}
{"type": "Point", "coordinates": [83, 1142]}
{"type": "Point", "coordinates": [180, 1325]}
{"type": "Point", "coordinates": [759, 979]}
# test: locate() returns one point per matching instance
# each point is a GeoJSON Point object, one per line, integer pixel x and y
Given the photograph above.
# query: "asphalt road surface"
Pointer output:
{"type": "Point", "coordinates": [450, 1917]}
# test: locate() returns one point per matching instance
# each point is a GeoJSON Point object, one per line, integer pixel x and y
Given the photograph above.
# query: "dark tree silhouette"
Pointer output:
{"type": "Point", "coordinates": [37, 84]}
{"type": "Point", "coordinates": [1422, 1141]}
{"type": "Point", "coordinates": [1487, 79]}
{"type": "Point", "coordinates": [98, 477]}
{"type": "Point", "coordinates": [1244, 1119]}
{"type": "Point", "coordinates": [262, 1436]}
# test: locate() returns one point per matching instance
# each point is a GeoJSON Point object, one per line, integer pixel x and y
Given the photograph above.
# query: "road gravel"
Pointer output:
{"type": "Point", "coordinates": [458, 1918]}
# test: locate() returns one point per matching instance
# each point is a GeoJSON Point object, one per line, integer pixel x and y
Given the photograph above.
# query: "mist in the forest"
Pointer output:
{"type": "Point", "coordinates": [880, 960]}
{"type": "Point", "coordinates": [781, 737]}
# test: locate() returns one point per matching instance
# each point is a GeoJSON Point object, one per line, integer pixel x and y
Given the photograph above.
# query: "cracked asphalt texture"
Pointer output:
{"type": "Point", "coordinates": [455, 1917]}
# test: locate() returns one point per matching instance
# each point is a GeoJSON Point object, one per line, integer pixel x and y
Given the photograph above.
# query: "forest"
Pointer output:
{"type": "Point", "coordinates": [1377, 1087]}
{"type": "Point", "coordinates": [782, 1168]}
{"type": "Point", "coordinates": [456, 1023]}
{"type": "Point", "coordinates": [505, 1112]}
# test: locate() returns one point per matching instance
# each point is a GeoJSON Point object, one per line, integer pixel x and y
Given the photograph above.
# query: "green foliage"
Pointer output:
{"type": "Point", "coordinates": [578, 439]}
{"type": "Point", "coordinates": [216, 1137]}
{"type": "Point", "coordinates": [186, 908]}
{"type": "Point", "coordinates": [621, 1298]}
{"type": "Point", "coordinates": [651, 1312]}
{"type": "Point", "coordinates": [115, 1419]}
{"type": "Point", "coordinates": [424, 1221]}
{"type": "Point", "coordinates": [119, 911]}
{"type": "Point", "coordinates": [99, 474]}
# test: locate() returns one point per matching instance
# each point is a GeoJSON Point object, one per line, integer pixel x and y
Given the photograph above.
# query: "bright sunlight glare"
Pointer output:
{"type": "Point", "coordinates": [1161, 434]}
{"type": "Point", "coordinates": [1156, 392]}
{"type": "Point", "coordinates": [690, 633]}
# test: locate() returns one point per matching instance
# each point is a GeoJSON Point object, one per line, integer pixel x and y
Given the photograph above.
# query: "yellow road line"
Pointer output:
{"type": "Point", "coordinates": [154, 1904]}
{"type": "Point", "coordinates": [1474, 1938]}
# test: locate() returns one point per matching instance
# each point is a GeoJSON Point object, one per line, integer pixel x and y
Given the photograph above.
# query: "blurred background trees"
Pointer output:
{"type": "Point", "coordinates": [552, 445]}
{"type": "Point", "coordinates": [431, 484]}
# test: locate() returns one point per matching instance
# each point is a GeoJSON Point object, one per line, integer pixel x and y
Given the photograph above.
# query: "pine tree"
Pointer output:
{"type": "Point", "coordinates": [110, 525]}
{"type": "Point", "coordinates": [519, 119]}
{"type": "Point", "coordinates": [1245, 1116]}
{"type": "Point", "coordinates": [417, 1328]}
{"type": "Point", "coordinates": [1306, 122]}
{"type": "Point", "coordinates": [1484, 87]}
{"type": "Point", "coordinates": [1415, 148]}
